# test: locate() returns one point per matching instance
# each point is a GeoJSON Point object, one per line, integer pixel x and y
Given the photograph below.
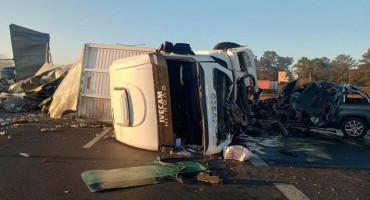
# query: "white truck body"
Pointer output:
{"type": "Point", "coordinates": [94, 98]}
{"type": "Point", "coordinates": [158, 97]}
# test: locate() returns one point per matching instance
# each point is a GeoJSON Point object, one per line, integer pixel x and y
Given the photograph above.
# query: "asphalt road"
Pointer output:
{"type": "Point", "coordinates": [332, 176]}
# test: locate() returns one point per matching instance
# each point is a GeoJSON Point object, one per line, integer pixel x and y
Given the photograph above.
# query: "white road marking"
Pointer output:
{"type": "Point", "coordinates": [289, 190]}
{"type": "Point", "coordinates": [97, 138]}
{"type": "Point", "coordinates": [257, 161]}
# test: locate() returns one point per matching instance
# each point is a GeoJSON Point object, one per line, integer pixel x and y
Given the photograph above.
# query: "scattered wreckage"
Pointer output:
{"type": "Point", "coordinates": [197, 99]}
{"type": "Point", "coordinates": [181, 103]}
{"type": "Point", "coordinates": [319, 105]}
{"type": "Point", "coordinates": [7, 77]}
{"type": "Point", "coordinates": [30, 50]}
{"type": "Point", "coordinates": [28, 94]}
{"type": "Point", "coordinates": [34, 78]}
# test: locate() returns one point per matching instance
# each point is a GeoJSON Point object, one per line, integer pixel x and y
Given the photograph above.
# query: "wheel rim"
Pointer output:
{"type": "Point", "coordinates": [354, 128]}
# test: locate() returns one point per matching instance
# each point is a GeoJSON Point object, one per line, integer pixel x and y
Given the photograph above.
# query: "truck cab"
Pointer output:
{"type": "Point", "coordinates": [177, 94]}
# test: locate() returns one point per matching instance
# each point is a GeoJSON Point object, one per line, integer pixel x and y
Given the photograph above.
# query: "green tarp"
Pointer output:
{"type": "Point", "coordinates": [97, 180]}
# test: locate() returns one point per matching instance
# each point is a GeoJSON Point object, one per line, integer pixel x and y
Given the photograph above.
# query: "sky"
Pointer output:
{"type": "Point", "coordinates": [311, 28]}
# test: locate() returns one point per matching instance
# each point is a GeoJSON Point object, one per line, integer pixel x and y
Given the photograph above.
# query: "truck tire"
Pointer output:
{"type": "Point", "coordinates": [354, 127]}
{"type": "Point", "coordinates": [225, 46]}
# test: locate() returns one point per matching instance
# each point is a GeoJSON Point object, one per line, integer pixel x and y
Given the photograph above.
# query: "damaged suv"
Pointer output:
{"type": "Point", "coordinates": [325, 105]}
{"type": "Point", "coordinates": [353, 115]}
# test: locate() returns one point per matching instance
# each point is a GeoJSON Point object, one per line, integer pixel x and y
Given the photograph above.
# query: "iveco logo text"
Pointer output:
{"type": "Point", "coordinates": [162, 106]}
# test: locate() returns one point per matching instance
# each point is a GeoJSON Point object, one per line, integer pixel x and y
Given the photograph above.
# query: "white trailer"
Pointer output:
{"type": "Point", "coordinates": [85, 89]}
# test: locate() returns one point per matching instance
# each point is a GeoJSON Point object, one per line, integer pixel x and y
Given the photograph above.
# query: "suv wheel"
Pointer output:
{"type": "Point", "coordinates": [354, 127]}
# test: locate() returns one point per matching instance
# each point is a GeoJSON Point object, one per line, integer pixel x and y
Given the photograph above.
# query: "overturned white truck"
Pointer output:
{"type": "Point", "coordinates": [175, 93]}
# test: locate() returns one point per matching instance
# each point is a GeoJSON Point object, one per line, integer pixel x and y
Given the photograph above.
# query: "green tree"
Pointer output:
{"type": "Point", "coordinates": [366, 57]}
{"type": "Point", "coordinates": [341, 67]}
{"type": "Point", "coordinates": [346, 60]}
{"type": "Point", "coordinates": [316, 69]}
{"type": "Point", "coordinates": [270, 63]}
{"type": "Point", "coordinates": [361, 76]}
{"type": "Point", "coordinates": [303, 68]}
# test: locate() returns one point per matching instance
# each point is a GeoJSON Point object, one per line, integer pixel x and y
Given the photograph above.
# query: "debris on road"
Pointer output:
{"type": "Point", "coordinates": [18, 118]}
{"type": "Point", "coordinates": [16, 103]}
{"type": "Point", "coordinates": [75, 126]}
{"type": "Point", "coordinates": [237, 152]}
{"type": "Point", "coordinates": [108, 136]}
{"type": "Point", "coordinates": [183, 153]}
{"type": "Point", "coordinates": [209, 177]}
{"type": "Point", "coordinates": [98, 180]}
{"type": "Point", "coordinates": [48, 130]}
{"type": "Point", "coordinates": [88, 123]}
{"type": "Point", "coordinates": [2, 132]}
{"type": "Point", "coordinates": [4, 85]}
{"type": "Point", "coordinates": [26, 155]}
{"type": "Point", "coordinates": [83, 125]}
{"type": "Point", "coordinates": [19, 121]}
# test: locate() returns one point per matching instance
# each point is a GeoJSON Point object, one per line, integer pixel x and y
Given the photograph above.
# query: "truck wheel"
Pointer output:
{"type": "Point", "coordinates": [354, 127]}
{"type": "Point", "coordinates": [225, 46]}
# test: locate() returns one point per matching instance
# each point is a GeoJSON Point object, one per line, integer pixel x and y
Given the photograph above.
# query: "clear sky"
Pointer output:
{"type": "Point", "coordinates": [312, 28]}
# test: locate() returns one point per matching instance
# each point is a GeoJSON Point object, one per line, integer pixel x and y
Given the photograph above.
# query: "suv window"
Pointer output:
{"type": "Point", "coordinates": [356, 95]}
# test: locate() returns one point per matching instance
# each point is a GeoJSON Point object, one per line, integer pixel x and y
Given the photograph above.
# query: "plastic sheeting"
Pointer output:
{"type": "Point", "coordinates": [30, 50]}
{"type": "Point", "coordinates": [237, 152]}
{"type": "Point", "coordinates": [66, 96]}
{"type": "Point", "coordinates": [26, 95]}
{"type": "Point", "coordinates": [97, 180]}
{"type": "Point", "coordinates": [46, 76]}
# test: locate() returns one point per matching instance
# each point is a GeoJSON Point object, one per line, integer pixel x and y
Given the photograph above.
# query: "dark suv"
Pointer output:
{"type": "Point", "coordinates": [325, 105]}
{"type": "Point", "coordinates": [353, 115]}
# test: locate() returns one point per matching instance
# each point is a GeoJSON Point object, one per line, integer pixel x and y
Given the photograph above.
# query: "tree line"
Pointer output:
{"type": "Point", "coordinates": [343, 69]}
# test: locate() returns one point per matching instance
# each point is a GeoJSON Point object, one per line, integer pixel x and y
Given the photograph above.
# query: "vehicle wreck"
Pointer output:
{"type": "Point", "coordinates": [320, 105]}
{"type": "Point", "coordinates": [29, 94]}
{"type": "Point", "coordinates": [197, 98]}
